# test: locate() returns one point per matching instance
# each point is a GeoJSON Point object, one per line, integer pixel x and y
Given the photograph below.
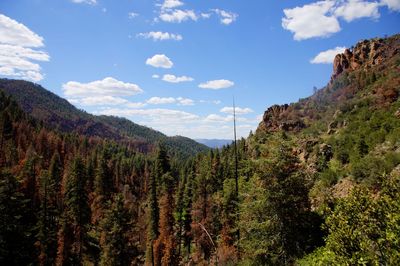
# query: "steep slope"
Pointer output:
{"type": "Point", "coordinates": [57, 113]}
{"type": "Point", "coordinates": [348, 132]}
{"type": "Point", "coordinates": [368, 71]}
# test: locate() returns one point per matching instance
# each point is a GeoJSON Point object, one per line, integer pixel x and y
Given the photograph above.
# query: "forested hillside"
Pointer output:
{"type": "Point", "coordinates": [318, 183]}
{"type": "Point", "coordinates": [58, 113]}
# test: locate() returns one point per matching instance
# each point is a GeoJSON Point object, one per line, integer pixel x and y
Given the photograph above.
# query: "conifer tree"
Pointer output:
{"type": "Point", "coordinates": [165, 246]}
{"type": "Point", "coordinates": [187, 212]}
{"type": "Point", "coordinates": [72, 238]}
{"type": "Point", "coordinates": [116, 247]}
{"type": "Point", "coordinates": [15, 233]}
{"type": "Point", "coordinates": [154, 216]}
{"type": "Point", "coordinates": [47, 220]}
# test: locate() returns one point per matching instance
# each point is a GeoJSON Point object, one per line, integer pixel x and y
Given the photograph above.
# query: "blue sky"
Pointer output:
{"type": "Point", "coordinates": [174, 65]}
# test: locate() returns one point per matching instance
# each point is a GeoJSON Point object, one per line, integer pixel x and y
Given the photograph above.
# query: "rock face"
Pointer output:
{"type": "Point", "coordinates": [366, 54]}
{"type": "Point", "coordinates": [276, 119]}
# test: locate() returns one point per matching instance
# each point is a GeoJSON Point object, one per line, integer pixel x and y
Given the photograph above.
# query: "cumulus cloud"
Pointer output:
{"type": "Point", "coordinates": [14, 33]}
{"type": "Point", "coordinates": [178, 16]}
{"type": "Point", "coordinates": [177, 122]}
{"type": "Point", "coordinates": [165, 116]}
{"type": "Point", "coordinates": [326, 57]}
{"type": "Point", "coordinates": [393, 5]}
{"type": "Point", "coordinates": [106, 87]}
{"type": "Point", "coordinates": [90, 2]}
{"type": "Point", "coordinates": [105, 100]}
{"type": "Point", "coordinates": [174, 79]}
{"type": "Point", "coordinates": [321, 19]}
{"type": "Point", "coordinates": [238, 110]}
{"type": "Point", "coordinates": [355, 9]}
{"type": "Point", "coordinates": [160, 36]}
{"type": "Point", "coordinates": [216, 84]}
{"type": "Point", "coordinates": [160, 61]}
{"type": "Point", "coordinates": [225, 16]}
{"type": "Point", "coordinates": [161, 100]}
{"type": "Point", "coordinates": [205, 15]}
{"type": "Point", "coordinates": [184, 101]}
{"type": "Point", "coordinates": [312, 20]}
{"type": "Point", "coordinates": [224, 119]}
{"type": "Point", "coordinates": [170, 100]}
{"type": "Point", "coordinates": [155, 76]}
{"type": "Point", "coordinates": [19, 49]}
{"type": "Point", "coordinates": [168, 4]}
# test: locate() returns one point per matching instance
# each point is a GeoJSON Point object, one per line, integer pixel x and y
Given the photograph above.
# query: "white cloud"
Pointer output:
{"type": "Point", "coordinates": [159, 115]}
{"type": "Point", "coordinates": [224, 119]}
{"type": "Point", "coordinates": [184, 101]}
{"type": "Point", "coordinates": [238, 110]}
{"type": "Point", "coordinates": [16, 61]}
{"type": "Point", "coordinates": [178, 16]}
{"type": "Point", "coordinates": [159, 60]}
{"type": "Point", "coordinates": [393, 5]}
{"type": "Point", "coordinates": [311, 20]}
{"type": "Point", "coordinates": [90, 2]}
{"type": "Point", "coordinates": [174, 79]}
{"type": "Point", "coordinates": [217, 84]}
{"type": "Point", "coordinates": [177, 122]}
{"type": "Point", "coordinates": [320, 19]}
{"type": "Point", "coordinates": [216, 102]}
{"type": "Point", "coordinates": [18, 50]}
{"type": "Point", "coordinates": [161, 100]}
{"type": "Point", "coordinates": [14, 33]}
{"type": "Point", "coordinates": [132, 15]}
{"type": "Point", "coordinates": [355, 9]}
{"type": "Point", "coordinates": [170, 100]}
{"type": "Point", "coordinates": [205, 15]}
{"type": "Point", "coordinates": [155, 76]}
{"type": "Point", "coordinates": [226, 17]}
{"type": "Point", "coordinates": [216, 118]}
{"type": "Point", "coordinates": [326, 57]}
{"type": "Point", "coordinates": [168, 4]}
{"type": "Point", "coordinates": [106, 87]}
{"type": "Point", "coordinates": [160, 36]}
{"type": "Point", "coordinates": [105, 100]}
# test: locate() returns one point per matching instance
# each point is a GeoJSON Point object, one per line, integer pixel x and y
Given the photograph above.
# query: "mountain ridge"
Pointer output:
{"type": "Point", "coordinates": [59, 114]}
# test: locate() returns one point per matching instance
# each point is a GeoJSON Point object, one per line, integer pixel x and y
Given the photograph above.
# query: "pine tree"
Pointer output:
{"type": "Point", "coordinates": [116, 247]}
{"type": "Point", "coordinates": [154, 216]}
{"type": "Point", "coordinates": [162, 164]}
{"type": "Point", "coordinates": [55, 177]}
{"type": "Point", "coordinates": [48, 220]}
{"type": "Point", "coordinates": [165, 246]}
{"type": "Point", "coordinates": [103, 181]}
{"type": "Point", "coordinates": [180, 209]}
{"type": "Point", "coordinates": [6, 131]}
{"type": "Point", "coordinates": [187, 212]}
{"type": "Point", "coordinates": [15, 233]}
{"type": "Point", "coordinates": [72, 238]}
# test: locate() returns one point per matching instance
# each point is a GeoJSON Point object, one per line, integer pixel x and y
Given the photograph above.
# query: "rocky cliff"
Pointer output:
{"type": "Point", "coordinates": [366, 57]}
{"type": "Point", "coordinates": [365, 54]}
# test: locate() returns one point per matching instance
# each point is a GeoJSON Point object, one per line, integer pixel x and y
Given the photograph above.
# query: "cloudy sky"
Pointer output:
{"type": "Point", "coordinates": [174, 65]}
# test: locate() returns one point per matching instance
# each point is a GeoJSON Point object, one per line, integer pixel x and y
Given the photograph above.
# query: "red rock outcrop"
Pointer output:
{"type": "Point", "coordinates": [365, 54]}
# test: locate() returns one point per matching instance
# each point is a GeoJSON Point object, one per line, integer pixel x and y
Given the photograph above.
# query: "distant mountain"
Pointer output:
{"type": "Point", "coordinates": [214, 143]}
{"type": "Point", "coordinates": [57, 113]}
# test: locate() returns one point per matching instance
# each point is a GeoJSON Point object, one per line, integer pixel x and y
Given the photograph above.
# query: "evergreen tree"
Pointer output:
{"type": "Point", "coordinates": [15, 233]}
{"type": "Point", "coordinates": [72, 238]}
{"type": "Point", "coordinates": [47, 220]}
{"type": "Point", "coordinates": [154, 216]}
{"type": "Point", "coordinates": [116, 247]}
{"type": "Point", "coordinates": [103, 181]}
